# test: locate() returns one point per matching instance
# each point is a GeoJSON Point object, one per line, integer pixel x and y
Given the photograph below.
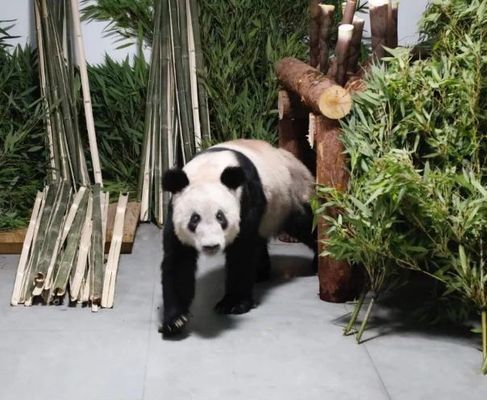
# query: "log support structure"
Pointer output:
{"type": "Point", "coordinates": [322, 91]}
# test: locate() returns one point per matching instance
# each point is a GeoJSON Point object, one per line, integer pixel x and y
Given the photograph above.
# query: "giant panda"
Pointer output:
{"type": "Point", "coordinates": [230, 198]}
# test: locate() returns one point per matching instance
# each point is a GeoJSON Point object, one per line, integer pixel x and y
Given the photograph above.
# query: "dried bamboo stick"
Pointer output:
{"type": "Point", "coordinates": [85, 85]}
{"type": "Point", "coordinates": [326, 23]}
{"type": "Point", "coordinates": [96, 251]}
{"type": "Point", "coordinates": [378, 10]}
{"type": "Point", "coordinates": [84, 247]}
{"type": "Point", "coordinates": [73, 211]}
{"type": "Point", "coordinates": [349, 11]}
{"type": "Point", "coordinates": [356, 43]}
{"type": "Point", "coordinates": [114, 254]}
{"type": "Point", "coordinates": [21, 268]}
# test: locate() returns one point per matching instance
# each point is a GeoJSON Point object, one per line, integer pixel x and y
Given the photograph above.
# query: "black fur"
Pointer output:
{"type": "Point", "coordinates": [233, 177]}
{"type": "Point", "coordinates": [174, 180]}
{"type": "Point", "coordinates": [247, 258]}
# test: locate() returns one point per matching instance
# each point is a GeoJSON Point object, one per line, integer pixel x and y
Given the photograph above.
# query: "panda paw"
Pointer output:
{"type": "Point", "coordinates": [228, 305]}
{"type": "Point", "coordinates": [173, 326]}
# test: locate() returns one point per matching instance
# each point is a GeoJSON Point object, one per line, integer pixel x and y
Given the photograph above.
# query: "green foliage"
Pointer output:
{"type": "Point", "coordinates": [118, 95]}
{"type": "Point", "coordinates": [22, 156]}
{"type": "Point", "coordinates": [417, 196]}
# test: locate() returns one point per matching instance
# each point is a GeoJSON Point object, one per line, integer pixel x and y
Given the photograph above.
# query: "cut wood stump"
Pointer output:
{"type": "Point", "coordinates": [11, 241]}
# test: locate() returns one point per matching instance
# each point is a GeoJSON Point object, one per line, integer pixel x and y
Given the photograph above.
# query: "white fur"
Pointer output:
{"type": "Point", "coordinates": [286, 182]}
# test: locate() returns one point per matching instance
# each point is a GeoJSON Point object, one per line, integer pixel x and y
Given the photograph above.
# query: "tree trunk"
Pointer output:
{"type": "Point", "coordinates": [325, 30]}
{"type": "Point", "coordinates": [345, 32]}
{"type": "Point", "coordinates": [316, 91]}
{"type": "Point", "coordinates": [392, 10]}
{"type": "Point", "coordinates": [355, 45]}
{"type": "Point", "coordinates": [378, 10]}
{"type": "Point", "coordinates": [349, 11]}
{"type": "Point", "coordinates": [314, 32]}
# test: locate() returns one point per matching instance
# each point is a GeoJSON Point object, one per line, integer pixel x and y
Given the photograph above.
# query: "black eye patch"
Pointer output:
{"type": "Point", "coordinates": [222, 220]}
{"type": "Point", "coordinates": [194, 221]}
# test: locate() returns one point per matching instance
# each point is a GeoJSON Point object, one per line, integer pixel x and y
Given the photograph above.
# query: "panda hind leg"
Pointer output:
{"type": "Point", "coordinates": [299, 224]}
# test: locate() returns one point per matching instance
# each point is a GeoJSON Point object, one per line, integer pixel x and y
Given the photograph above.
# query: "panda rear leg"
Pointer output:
{"type": "Point", "coordinates": [242, 258]}
{"type": "Point", "coordinates": [264, 262]}
{"type": "Point", "coordinates": [299, 225]}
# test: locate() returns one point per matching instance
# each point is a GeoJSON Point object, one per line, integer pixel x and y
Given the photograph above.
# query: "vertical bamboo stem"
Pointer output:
{"type": "Point", "coordinates": [484, 333]}
{"type": "Point", "coordinates": [366, 319]}
{"type": "Point", "coordinates": [349, 11]}
{"type": "Point", "coordinates": [90, 124]}
{"type": "Point", "coordinates": [355, 314]}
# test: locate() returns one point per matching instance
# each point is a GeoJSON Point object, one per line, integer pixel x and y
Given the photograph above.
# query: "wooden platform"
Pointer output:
{"type": "Point", "coordinates": [11, 241]}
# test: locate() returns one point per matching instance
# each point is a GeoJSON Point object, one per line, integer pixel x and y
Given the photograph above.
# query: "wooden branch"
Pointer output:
{"type": "Point", "coordinates": [378, 10]}
{"type": "Point", "coordinates": [316, 91]}
{"type": "Point", "coordinates": [349, 11]}
{"type": "Point", "coordinates": [326, 22]}
{"type": "Point", "coordinates": [392, 9]}
{"type": "Point", "coordinates": [314, 32]}
{"type": "Point", "coordinates": [345, 32]}
{"type": "Point", "coordinates": [356, 43]}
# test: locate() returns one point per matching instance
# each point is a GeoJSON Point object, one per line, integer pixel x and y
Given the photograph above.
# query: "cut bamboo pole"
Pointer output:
{"type": "Point", "coordinates": [96, 251]}
{"type": "Point", "coordinates": [345, 32]}
{"type": "Point", "coordinates": [73, 211]}
{"type": "Point", "coordinates": [355, 45]}
{"type": "Point", "coordinates": [114, 254]}
{"type": "Point", "coordinates": [316, 91]}
{"type": "Point", "coordinates": [392, 10]}
{"type": "Point", "coordinates": [90, 124]}
{"type": "Point", "coordinates": [84, 247]}
{"type": "Point", "coordinates": [349, 11]}
{"type": "Point", "coordinates": [326, 22]}
{"type": "Point", "coordinates": [314, 32]}
{"type": "Point", "coordinates": [378, 11]}
{"type": "Point", "coordinates": [365, 320]}
{"type": "Point", "coordinates": [21, 268]}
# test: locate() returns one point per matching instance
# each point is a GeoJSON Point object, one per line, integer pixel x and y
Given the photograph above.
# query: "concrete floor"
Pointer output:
{"type": "Point", "coordinates": [290, 347]}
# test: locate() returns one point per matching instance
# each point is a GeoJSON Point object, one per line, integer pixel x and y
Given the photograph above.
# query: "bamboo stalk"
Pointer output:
{"type": "Point", "coordinates": [366, 319]}
{"type": "Point", "coordinates": [356, 43]}
{"type": "Point", "coordinates": [21, 268]}
{"type": "Point", "coordinates": [90, 124]}
{"type": "Point", "coordinates": [355, 314]}
{"type": "Point", "coordinates": [202, 96]}
{"type": "Point", "coordinates": [324, 36]}
{"type": "Point", "coordinates": [73, 211]}
{"type": "Point", "coordinates": [484, 333]}
{"type": "Point", "coordinates": [114, 254]}
{"type": "Point", "coordinates": [96, 252]}
{"type": "Point", "coordinates": [84, 247]}
{"type": "Point", "coordinates": [349, 11]}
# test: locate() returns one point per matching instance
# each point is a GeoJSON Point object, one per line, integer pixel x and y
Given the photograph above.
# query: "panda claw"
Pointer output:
{"type": "Point", "coordinates": [174, 326]}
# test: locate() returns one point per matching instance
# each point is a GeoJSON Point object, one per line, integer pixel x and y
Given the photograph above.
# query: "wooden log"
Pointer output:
{"type": "Point", "coordinates": [336, 278]}
{"type": "Point", "coordinates": [345, 32]}
{"type": "Point", "coordinates": [11, 241]}
{"type": "Point", "coordinates": [314, 32]}
{"type": "Point", "coordinates": [349, 11]}
{"type": "Point", "coordinates": [392, 9]}
{"type": "Point", "coordinates": [326, 22]}
{"type": "Point", "coordinates": [315, 90]}
{"type": "Point", "coordinates": [356, 43]}
{"type": "Point", "coordinates": [378, 10]}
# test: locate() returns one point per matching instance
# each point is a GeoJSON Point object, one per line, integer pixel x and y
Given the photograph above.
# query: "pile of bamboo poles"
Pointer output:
{"type": "Point", "coordinates": [177, 121]}
{"type": "Point", "coordinates": [63, 250]}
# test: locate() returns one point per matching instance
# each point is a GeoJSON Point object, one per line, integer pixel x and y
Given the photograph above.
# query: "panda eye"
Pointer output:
{"type": "Point", "coordinates": [220, 217]}
{"type": "Point", "coordinates": [193, 222]}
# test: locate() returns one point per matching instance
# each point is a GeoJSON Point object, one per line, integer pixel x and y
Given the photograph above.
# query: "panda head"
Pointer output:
{"type": "Point", "coordinates": [206, 214]}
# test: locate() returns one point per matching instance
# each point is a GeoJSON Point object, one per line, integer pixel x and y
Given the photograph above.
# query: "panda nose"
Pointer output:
{"type": "Point", "coordinates": [212, 248]}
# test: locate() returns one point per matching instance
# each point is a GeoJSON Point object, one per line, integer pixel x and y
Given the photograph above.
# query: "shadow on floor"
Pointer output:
{"type": "Point", "coordinates": [210, 288]}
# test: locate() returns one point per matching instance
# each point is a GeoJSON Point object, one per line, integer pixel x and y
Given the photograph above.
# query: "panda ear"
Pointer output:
{"type": "Point", "coordinates": [174, 180]}
{"type": "Point", "coordinates": [233, 177]}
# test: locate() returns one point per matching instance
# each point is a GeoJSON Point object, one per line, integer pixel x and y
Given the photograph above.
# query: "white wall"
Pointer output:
{"type": "Point", "coordinates": [96, 44]}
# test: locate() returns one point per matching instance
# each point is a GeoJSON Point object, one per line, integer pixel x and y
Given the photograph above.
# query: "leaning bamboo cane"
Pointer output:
{"type": "Point", "coordinates": [114, 254]}
{"type": "Point", "coordinates": [21, 268]}
{"type": "Point", "coordinates": [90, 124]}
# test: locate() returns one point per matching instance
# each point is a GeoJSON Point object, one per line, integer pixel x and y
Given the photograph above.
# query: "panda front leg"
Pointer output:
{"type": "Point", "coordinates": [178, 282]}
{"type": "Point", "coordinates": [242, 258]}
